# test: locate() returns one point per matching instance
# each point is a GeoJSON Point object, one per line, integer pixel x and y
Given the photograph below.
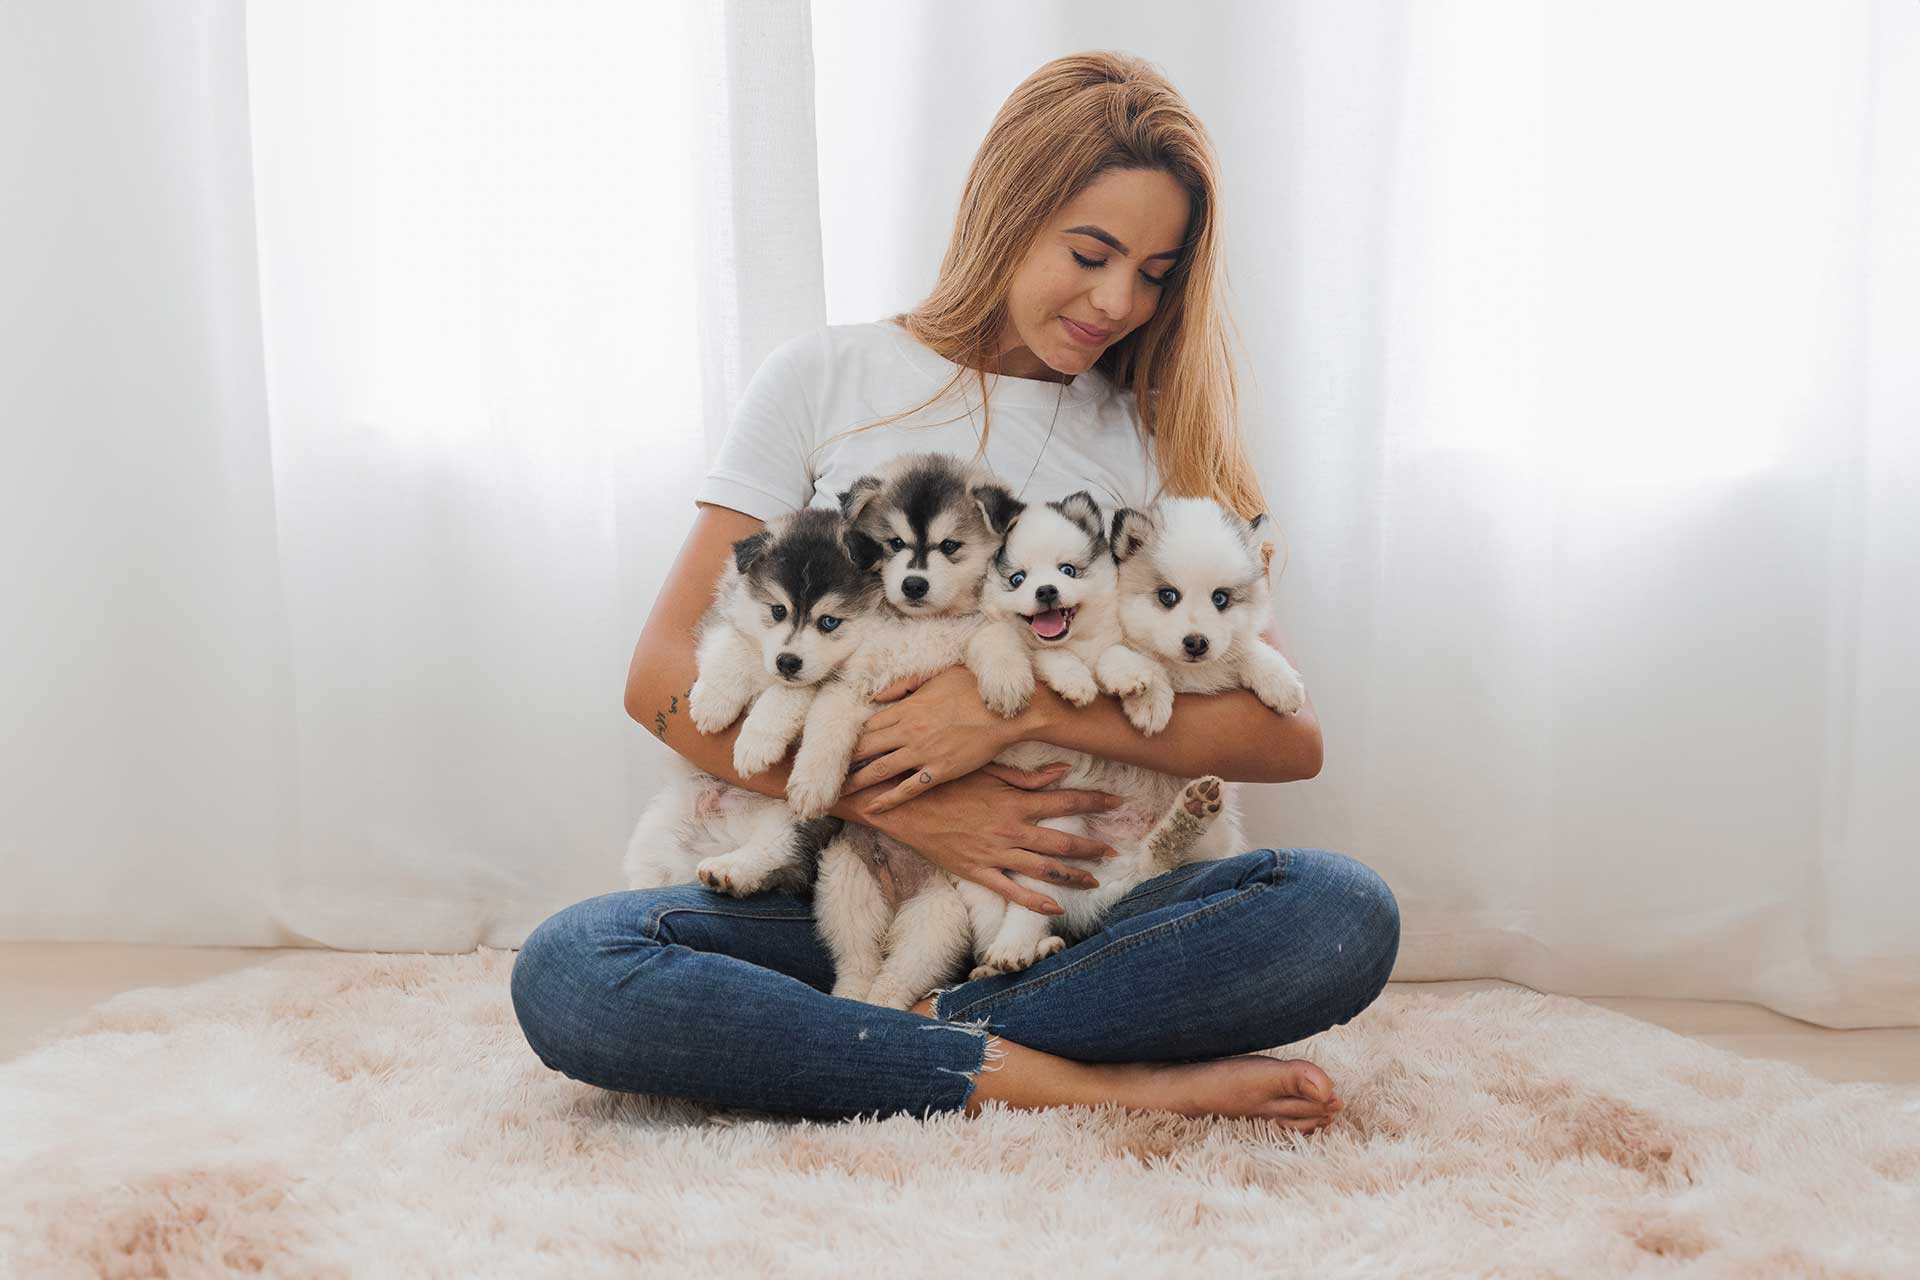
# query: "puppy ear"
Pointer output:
{"type": "Point", "coordinates": [998, 506]}
{"type": "Point", "coordinates": [1083, 511]}
{"type": "Point", "coordinates": [1131, 529]}
{"type": "Point", "coordinates": [750, 549]}
{"type": "Point", "coordinates": [855, 499]}
{"type": "Point", "coordinates": [864, 550]}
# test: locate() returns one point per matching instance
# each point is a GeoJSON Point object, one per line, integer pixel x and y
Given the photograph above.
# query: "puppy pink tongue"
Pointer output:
{"type": "Point", "coordinates": [1051, 624]}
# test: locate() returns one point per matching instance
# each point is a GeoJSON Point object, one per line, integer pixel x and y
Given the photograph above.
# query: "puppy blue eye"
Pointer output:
{"type": "Point", "coordinates": [949, 547]}
{"type": "Point", "coordinates": [1168, 596]}
{"type": "Point", "coordinates": [1221, 599]}
{"type": "Point", "coordinates": [895, 544]}
{"type": "Point", "coordinates": [1017, 578]}
{"type": "Point", "coordinates": [1069, 571]}
{"type": "Point", "coordinates": [829, 622]}
{"type": "Point", "coordinates": [779, 612]}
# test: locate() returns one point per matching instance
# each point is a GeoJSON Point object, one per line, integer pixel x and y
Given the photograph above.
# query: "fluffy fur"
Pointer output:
{"type": "Point", "coordinates": [1194, 597]}
{"type": "Point", "coordinates": [787, 614]}
{"type": "Point", "coordinates": [1052, 593]}
{"type": "Point", "coordinates": [896, 926]}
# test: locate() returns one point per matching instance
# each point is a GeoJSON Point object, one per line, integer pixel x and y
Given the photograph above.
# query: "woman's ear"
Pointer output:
{"type": "Point", "coordinates": [998, 507]}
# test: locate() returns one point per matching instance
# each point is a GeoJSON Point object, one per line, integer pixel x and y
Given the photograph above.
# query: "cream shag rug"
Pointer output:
{"type": "Point", "coordinates": [334, 1114]}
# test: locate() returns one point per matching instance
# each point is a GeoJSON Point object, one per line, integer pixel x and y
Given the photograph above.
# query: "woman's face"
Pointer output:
{"type": "Point", "coordinates": [1094, 265]}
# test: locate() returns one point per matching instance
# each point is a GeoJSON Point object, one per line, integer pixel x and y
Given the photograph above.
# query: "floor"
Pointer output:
{"type": "Point", "coordinates": [43, 984]}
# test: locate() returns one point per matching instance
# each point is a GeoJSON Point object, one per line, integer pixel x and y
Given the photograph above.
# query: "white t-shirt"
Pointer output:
{"type": "Point", "coordinates": [783, 452]}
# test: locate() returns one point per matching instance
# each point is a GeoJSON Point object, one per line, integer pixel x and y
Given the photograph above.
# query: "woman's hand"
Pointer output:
{"type": "Point", "coordinates": [933, 729]}
{"type": "Point", "coordinates": [986, 823]}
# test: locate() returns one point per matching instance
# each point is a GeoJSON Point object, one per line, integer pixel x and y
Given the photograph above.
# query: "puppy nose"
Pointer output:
{"type": "Point", "coordinates": [789, 664]}
{"type": "Point", "coordinates": [1194, 645]}
{"type": "Point", "coordinates": [1046, 595]}
{"type": "Point", "coordinates": [914, 588]}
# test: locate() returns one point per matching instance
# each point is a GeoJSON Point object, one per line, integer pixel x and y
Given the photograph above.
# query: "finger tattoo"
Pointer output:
{"type": "Point", "coordinates": [926, 778]}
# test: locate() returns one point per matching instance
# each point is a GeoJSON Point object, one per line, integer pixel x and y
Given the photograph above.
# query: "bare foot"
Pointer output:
{"type": "Point", "coordinates": [1292, 1091]}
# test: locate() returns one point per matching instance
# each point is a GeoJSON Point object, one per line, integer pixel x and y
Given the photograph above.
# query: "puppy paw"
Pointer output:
{"type": "Point", "coordinates": [997, 962]}
{"type": "Point", "coordinates": [889, 996]}
{"type": "Point", "coordinates": [811, 792]}
{"type": "Point", "coordinates": [756, 751]}
{"type": "Point", "coordinates": [1127, 682]}
{"type": "Point", "coordinates": [1201, 797]}
{"type": "Point", "coordinates": [711, 710]}
{"type": "Point", "coordinates": [1150, 711]}
{"type": "Point", "coordinates": [731, 874]}
{"type": "Point", "coordinates": [1281, 690]}
{"type": "Point", "coordinates": [1006, 690]}
{"type": "Point", "coordinates": [852, 986]}
{"type": "Point", "coordinates": [1079, 689]}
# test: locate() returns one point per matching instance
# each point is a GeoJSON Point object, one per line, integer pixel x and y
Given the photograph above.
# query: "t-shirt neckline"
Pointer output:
{"type": "Point", "coordinates": [1002, 387]}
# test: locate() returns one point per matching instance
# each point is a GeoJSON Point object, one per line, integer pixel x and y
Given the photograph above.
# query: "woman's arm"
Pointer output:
{"type": "Point", "coordinates": [941, 730]}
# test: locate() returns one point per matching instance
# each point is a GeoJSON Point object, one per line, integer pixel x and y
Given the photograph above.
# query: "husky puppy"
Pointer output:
{"type": "Point", "coordinates": [787, 614]}
{"type": "Point", "coordinates": [1052, 590]}
{"type": "Point", "coordinates": [1193, 597]}
{"type": "Point", "coordinates": [894, 922]}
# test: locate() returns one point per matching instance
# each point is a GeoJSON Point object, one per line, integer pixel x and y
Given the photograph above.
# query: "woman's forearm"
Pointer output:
{"type": "Point", "coordinates": [1231, 734]}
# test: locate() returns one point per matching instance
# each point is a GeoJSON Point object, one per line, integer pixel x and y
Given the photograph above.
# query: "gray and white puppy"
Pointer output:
{"type": "Point", "coordinates": [1194, 597]}
{"type": "Point", "coordinates": [787, 614]}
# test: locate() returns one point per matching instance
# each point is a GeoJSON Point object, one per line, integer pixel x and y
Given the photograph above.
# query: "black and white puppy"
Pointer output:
{"type": "Point", "coordinates": [787, 615]}
{"type": "Point", "coordinates": [893, 921]}
{"type": "Point", "coordinates": [1194, 597]}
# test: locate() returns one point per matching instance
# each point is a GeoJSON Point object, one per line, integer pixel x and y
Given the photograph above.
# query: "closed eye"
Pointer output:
{"type": "Point", "coordinates": [1093, 263]}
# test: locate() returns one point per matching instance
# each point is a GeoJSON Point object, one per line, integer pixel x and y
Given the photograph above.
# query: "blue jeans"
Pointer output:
{"type": "Point", "coordinates": [689, 993]}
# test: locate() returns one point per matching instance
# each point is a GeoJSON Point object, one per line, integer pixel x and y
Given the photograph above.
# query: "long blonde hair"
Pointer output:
{"type": "Point", "coordinates": [1067, 124]}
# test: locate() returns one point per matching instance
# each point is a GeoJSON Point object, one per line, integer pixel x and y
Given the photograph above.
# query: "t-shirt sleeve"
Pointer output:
{"type": "Point", "coordinates": [761, 468]}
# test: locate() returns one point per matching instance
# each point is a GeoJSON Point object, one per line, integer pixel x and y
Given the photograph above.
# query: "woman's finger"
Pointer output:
{"type": "Point", "coordinates": [877, 742]}
{"type": "Point", "coordinates": [882, 719]}
{"type": "Point", "coordinates": [901, 688]}
{"type": "Point", "coordinates": [1004, 885]}
{"type": "Point", "coordinates": [1062, 804]}
{"type": "Point", "coordinates": [877, 768]}
{"type": "Point", "coordinates": [909, 787]}
{"type": "Point", "coordinates": [1044, 868]}
{"type": "Point", "coordinates": [1027, 779]}
{"type": "Point", "coordinates": [1065, 844]}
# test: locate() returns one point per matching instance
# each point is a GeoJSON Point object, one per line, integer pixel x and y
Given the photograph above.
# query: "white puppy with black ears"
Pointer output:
{"type": "Point", "coordinates": [1194, 597]}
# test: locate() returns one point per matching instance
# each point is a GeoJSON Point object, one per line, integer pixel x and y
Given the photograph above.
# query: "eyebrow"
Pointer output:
{"type": "Point", "coordinates": [1107, 239]}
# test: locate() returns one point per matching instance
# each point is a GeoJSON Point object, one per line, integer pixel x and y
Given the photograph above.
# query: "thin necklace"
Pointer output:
{"type": "Point", "coordinates": [1058, 399]}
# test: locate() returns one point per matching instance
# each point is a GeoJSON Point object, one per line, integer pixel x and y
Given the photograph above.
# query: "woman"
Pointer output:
{"type": "Point", "coordinates": [1083, 272]}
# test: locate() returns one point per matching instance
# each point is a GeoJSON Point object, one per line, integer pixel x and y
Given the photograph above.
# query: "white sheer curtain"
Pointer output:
{"type": "Point", "coordinates": [1583, 372]}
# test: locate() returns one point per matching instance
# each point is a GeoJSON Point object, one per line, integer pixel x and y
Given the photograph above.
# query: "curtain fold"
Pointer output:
{"type": "Point", "coordinates": [362, 357]}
